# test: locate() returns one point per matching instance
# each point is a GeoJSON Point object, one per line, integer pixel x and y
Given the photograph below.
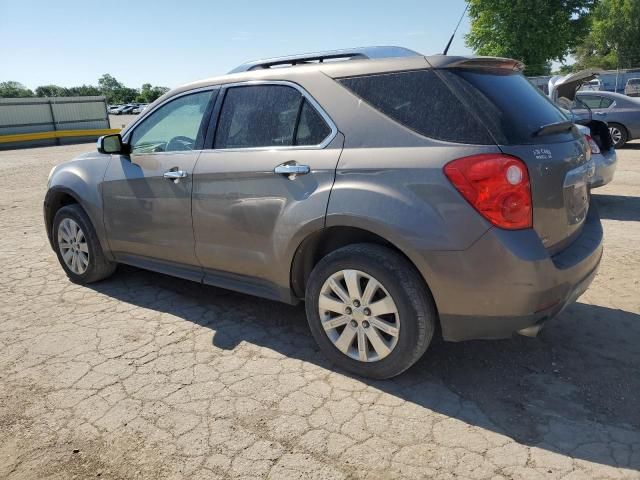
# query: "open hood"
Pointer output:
{"type": "Point", "coordinates": [562, 89]}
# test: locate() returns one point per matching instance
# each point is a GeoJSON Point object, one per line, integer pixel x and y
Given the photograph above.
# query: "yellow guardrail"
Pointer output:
{"type": "Point", "coordinates": [23, 137]}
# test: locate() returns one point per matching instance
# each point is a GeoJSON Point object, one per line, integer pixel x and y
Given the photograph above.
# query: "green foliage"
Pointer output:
{"type": "Point", "coordinates": [533, 31]}
{"type": "Point", "coordinates": [149, 93]}
{"type": "Point", "coordinates": [108, 86]}
{"type": "Point", "coordinates": [614, 39]}
{"type": "Point", "coordinates": [56, 91]}
{"type": "Point", "coordinates": [11, 89]}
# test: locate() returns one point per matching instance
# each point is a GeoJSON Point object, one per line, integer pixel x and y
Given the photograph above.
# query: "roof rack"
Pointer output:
{"type": "Point", "coordinates": [331, 55]}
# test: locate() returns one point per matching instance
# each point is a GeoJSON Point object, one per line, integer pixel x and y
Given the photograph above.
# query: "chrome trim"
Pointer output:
{"type": "Point", "coordinates": [374, 52]}
{"type": "Point", "coordinates": [325, 116]}
{"type": "Point", "coordinates": [292, 169]}
{"type": "Point", "coordinates": [148, 111]}
{"type": "Point", "coordinates": [175, 174]}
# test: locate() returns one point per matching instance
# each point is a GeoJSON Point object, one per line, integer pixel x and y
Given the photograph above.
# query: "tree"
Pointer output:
{"type": "Point", "coordinates": [614, 39]}
{"type": "Point", "coordinates": [148, 93]}
{"type": "Point", "coordinates": [11, 89]}
{"type": "Point", "coordinates": [110, 88]}
{"type": "Point", "coordinates": [51, 91]}
{"type": "Point", "coordinates": [533, 31]}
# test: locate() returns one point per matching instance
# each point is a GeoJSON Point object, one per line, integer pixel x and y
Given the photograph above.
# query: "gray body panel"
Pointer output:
{"type": "Point", "coordinates": [144, 213]}
{"type": "Point", "coordinates": [81, 178]}
{"type": "Point", "coordinates": [248, 221]}
{"type": "Point", "coordinates": [234, 223]}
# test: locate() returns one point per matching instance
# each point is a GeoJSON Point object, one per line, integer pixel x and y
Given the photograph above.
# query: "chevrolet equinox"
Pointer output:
{"type": "Point", "coordinates": [396, 194]}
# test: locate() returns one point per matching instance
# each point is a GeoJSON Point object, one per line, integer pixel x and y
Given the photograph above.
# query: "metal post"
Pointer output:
{"type": "Point", "coordinates": [53, 119]}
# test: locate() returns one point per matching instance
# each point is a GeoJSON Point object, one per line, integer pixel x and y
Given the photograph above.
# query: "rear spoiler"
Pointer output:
{"type": "Point", "coordinates": [443, 61]}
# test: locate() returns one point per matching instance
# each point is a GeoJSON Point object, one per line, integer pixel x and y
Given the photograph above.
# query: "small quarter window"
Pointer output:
{"type": "Point", "coordinates": [312, 129]}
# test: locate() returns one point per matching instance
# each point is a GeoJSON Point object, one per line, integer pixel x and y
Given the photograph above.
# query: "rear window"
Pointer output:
{"type": "Point", "coordinates": [461, 105]}
{"type": "Point", "coordinates": [420, 101]}
{"type": "Point", "coordinates": [508, 104]}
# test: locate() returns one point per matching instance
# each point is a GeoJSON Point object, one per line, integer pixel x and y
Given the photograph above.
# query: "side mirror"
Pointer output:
{"type": "Point", "coordinates": [112, 144]}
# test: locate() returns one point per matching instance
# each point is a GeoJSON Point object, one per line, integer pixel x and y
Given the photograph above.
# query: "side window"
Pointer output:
{"type": "Point", "coordinates": [312, 129]}
{"type": "Point", "coordinates": [173, 127]}
{"type": "Point", "coordinates": [258, 116]}
{"type": "Point", "coordinates": [605, 102]}
{"type": "Point", "coordinates": [422, 102]}
{"type": "Point", "coordinates": [590, 101]}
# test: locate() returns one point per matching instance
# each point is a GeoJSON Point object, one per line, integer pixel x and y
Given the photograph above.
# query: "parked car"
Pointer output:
{"type": "Point", "coordinates": [114, 108]}
{"type": "Point", "coordinates": [603, 155]}
{"type": "Point", "coordinates": [138, 109]}
{"type": "Point", "coordinates": [596, 132]}
{"type": "Point", "coordinates": [396, 194]}
{"type": "Point", "coordinates": [622, 113]}
{"type": "Point", "coordinates": [126, 110]}
{"type": "Point", "coordinates": [592, 85]}
{"type": "Point", "coordinates": [632, 88]}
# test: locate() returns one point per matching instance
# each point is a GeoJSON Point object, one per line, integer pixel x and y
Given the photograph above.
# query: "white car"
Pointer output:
{"type": "Point", "coordinates": [562, 91]}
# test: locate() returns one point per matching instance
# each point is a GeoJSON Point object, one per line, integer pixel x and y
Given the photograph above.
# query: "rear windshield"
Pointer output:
{"type": "Point", "coordinates": [420, 101]}
{"type": "Point", "coordinates": [510, 106]}
{"type": "Point", "coordinates": [462, 106]}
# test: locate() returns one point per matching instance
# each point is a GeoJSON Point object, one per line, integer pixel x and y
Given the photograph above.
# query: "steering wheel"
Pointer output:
{"type": "Point", "coordinates": [179, 143]}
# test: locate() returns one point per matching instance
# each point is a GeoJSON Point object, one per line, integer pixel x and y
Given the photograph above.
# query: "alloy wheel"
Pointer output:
{"type": "Point", "coordinates": [73, 246]}
{"type": "Point", "coordinates": [616, 135]}
{"type": "Point", "coordinates": [359, 315]}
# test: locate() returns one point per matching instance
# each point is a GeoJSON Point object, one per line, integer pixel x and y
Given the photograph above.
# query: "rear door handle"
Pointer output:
{"type": "Point", "coordinates": [292, 169]}
{"type": "Point", "coordinates": [175, 174]}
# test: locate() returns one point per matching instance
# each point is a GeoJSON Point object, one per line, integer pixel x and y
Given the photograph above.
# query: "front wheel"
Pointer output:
{"type": "Point", "coordinates": [77, 246]}
{"type": "Point", "coordinates": [370, 310]}
{"type": "Point", "coordinates": [618, 134]}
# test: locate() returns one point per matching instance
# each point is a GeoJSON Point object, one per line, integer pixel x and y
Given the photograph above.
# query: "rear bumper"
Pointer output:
{"type": "Point", "coordinates": [605, 168]}
{"type": "Point", "coordinates": [507, 281]}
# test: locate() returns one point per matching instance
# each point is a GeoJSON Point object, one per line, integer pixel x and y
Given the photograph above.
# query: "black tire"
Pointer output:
{"type": "Point", "coordinates": [624, 135]}
{"type": "Point", "coordinates": [99, 267]}
{"type": "Point", "coordinates": [408, 290]}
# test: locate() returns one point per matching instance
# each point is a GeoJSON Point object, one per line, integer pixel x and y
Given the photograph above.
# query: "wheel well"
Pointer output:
{"type": "Point", "coordinates": [320, 244]}
{"type": "Point", "coordinates": [55, 202]}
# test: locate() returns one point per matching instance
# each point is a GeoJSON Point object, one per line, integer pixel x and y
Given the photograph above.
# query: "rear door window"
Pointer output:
{"type": "Point", "coordinates": [268, 116]}
{"type": "Point", "coordinates": [258, 116]}
{"type": "Point", "coordinates": [421, 101]}
{"type": "Point", "coordinates": [590, 101]}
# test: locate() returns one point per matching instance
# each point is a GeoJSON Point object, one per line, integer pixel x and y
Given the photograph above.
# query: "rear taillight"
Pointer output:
{"type": "Point", "coordinates": [497, 186]}
{"type": "Point", "coordinates": [592, 144]}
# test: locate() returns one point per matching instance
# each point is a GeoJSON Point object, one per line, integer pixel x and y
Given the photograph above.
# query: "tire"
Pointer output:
{"type": "Point", "coordinates": [97, 267]}
{"type": "Point", "coordinates": [414, 318]}
{"type": "Point", "coordinates": [618, 131]}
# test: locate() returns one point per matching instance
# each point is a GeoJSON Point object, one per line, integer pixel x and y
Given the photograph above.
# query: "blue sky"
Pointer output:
{"type": "Point", "coordinates": [71, 42]}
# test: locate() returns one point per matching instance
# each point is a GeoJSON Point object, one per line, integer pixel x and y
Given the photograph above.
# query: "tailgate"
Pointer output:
{"type": "Point", "coordinates": [559, 175]}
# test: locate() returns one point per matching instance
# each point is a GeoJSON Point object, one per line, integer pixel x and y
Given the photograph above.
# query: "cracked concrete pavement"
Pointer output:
{"type": "Point", "coordinates": [147, 376]}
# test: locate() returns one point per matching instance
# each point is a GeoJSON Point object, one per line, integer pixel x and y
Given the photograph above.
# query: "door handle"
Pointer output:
{"type": "Point", "coordinates": [602, 114]}
{"type": "Point", "coordinates": [175, 175]}
{"type": "Point", "coordinates": [292, 169]}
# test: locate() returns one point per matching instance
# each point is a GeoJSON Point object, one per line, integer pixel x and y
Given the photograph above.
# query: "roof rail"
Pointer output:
{"type": "Point", "coordinates": [319, 57]}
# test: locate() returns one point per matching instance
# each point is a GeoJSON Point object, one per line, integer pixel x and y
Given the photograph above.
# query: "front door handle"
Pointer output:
{"type": "Point", "coordinates": [175, 175]}
{"type": "Point", "coordinates": [292, 169]}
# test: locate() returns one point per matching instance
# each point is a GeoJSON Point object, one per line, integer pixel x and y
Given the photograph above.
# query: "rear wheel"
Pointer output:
{"type": "Point", "coordinates": [369, 310]}
{"type": "Point", "coordinates": [77, 246]}
{"type": "Point", "coordinates": [619, 134]}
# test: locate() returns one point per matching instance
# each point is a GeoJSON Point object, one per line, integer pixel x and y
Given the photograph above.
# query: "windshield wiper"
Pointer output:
{"type": "Point", "coordinates": [554, 128]}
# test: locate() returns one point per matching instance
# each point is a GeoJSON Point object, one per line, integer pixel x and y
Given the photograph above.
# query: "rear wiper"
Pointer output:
{"type": "Point", "coordinates": [554, 128]}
